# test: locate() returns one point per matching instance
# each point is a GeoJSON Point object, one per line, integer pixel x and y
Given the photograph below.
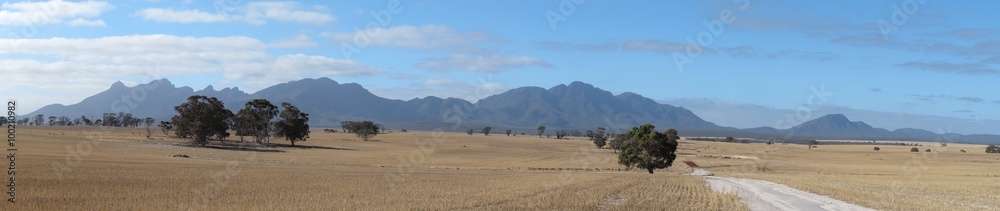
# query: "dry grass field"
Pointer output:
{"type": "Point", "coordinates": [114, 169]}
{"type": "Point", "coordinates": [891, 179]}
{"type": "Point", "coordinates": [120, 169]}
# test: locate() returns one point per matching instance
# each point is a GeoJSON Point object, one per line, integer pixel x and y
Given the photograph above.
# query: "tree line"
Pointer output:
{"type": "Point", "coordinates": [203, 118]}
{"type": "Point", "coordinates": [121, 119]}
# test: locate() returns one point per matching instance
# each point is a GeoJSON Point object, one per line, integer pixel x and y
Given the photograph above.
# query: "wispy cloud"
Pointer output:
{"type": "Point", "coordinates": [489, 64]}
{"type": "Point", "coordinates": [971, 99]}
{"type": "Point", "coordinates": [602, 47]}
{"type": "Point", "coordinates": [945, 67]}
{"type": "Point", "coordinates": [53, 12]}
{"type": "Point", "coordinates": [657, 46]}
{"type": "Point", "coordinates": [935, 98]}
{"type": "Point", "coordinates": [439, 37]}
{"type": "Point", "coordinates": [254, 13]}
{"type": "Point", "coordinates": [746, 51]}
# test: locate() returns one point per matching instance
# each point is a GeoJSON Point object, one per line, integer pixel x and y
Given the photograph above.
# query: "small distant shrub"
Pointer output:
{"type": "Point", "coordinates": [877, 149]}
{"type": "Point", "coordinates": [914, 150]}
{"type": "Point", "coordinates": [992, 149]}
{"type": "Point", "coordinates": [963, 151]}
{"type": "Point", "coordinates": [470, 131]}
{"type": "Point", "coordinates": [927, 150]}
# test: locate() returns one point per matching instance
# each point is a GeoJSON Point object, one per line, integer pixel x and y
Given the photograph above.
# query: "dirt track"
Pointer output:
{"type": "Point", "coordinates": [763, 195]}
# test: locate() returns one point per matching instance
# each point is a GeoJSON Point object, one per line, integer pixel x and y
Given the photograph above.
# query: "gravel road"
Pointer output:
{"type": "Point", "coordinates": [764, 195]}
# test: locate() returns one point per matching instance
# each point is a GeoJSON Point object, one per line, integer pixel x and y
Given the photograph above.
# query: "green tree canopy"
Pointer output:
{"type": "Point", "coordinates": [200, 118]}
{"type": "Point", "coordinates": [643, 147]}
{"type": "Point", "coordinates": [255, 119]}
{"type": "Point", "coordinates": [293, 124]}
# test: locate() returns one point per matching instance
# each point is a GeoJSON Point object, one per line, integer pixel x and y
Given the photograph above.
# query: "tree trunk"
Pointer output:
{"type": "Point", "coordinates": [650, 170]}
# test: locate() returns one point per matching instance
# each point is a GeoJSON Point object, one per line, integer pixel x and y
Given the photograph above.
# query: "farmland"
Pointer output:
{"type": "Point", "coordinates": [124, 170]}
{"type": "Point", "coordinates": [95, 168]}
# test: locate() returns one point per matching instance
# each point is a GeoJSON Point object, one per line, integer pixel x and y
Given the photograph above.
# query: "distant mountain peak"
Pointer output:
{"type": "Point", "coordinates": [209, 88]}
{"type": "Point", "coordinates": [835, 118]}
{"type": "Point", "coordinates": [162, 81]}
{"type": "Point", "coordinates": [118, 85]}
{"type": "Point", "coordinates": [580, 84]}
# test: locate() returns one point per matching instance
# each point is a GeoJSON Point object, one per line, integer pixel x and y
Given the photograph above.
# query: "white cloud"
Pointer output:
{"type": "Point", "coordinates": [154, 49]}
{"type": "Point", "coordinates": [84, 22]}
{"type": "Point", "coordinates": [298, 41]}
{"type": "Point", "coordinates": [294, 67]}
{"type": "Point", "coordinates": [254, 13]}
{"type": "Point", "coordinates": [444, 88]}
{"type": "Point", "coordinates": [52, 12]}
{"type": "Point", "coordinates": [184, 16]}
{"type": "Point", "coordinates": [424, 37]}
{"type": "Point", "coordinates": [490, 64]}
{"type": "Point", "coordinates": [93, 63]}
{"type": "Point", "coordinates": [258, 12]}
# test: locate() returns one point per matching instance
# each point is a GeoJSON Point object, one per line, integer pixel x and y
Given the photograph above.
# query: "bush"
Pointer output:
{"type": "Point", "coordinates": [560, 134]}
{"type": "Point", "coordinates": [927, 150]}
{"type": "Point", "coordinates": [914, 150]}
{"type": "Point", "coordinates": [992, 149]}
{"type": "Point", "coordinates": [877, 149]}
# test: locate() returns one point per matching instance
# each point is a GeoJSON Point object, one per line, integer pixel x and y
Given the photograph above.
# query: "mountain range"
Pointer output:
{"type": "Point", "coordinates": [576, 106]}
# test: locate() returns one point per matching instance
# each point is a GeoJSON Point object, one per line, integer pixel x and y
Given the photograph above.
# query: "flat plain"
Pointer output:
{"type": "Point", "coordinates": [120, 168]}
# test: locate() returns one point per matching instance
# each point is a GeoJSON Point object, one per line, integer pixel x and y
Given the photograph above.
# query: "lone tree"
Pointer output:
{"type": "Point", "coordinates": [541, 130]}
{"type": "Point", "coordinates": [200, 118]}
{"type": "Point", "coordinates": [470, 131]}
{"type": "Point", "coordinates": [486, 130]}
{"type": "Point", "coordinates": [646, 148]}
{"type": "Point", "coordinates": [363, 129]}
{"type": "Point", "coordinates": [508, 132]}
{"type": "Point", "coordinates": [293, 124]}
{"type": "Point", "coordinates": [148, 121]}
{"type": "Point", "coordinates": [255, 119]}
{"type": "Point", "coordinates": [166, 127]}
{"type": "Point", "coordinates": [599, 138]}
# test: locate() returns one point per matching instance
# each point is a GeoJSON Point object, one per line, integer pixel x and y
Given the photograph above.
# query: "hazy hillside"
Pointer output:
{"type": "Point", "coordinates": [579, 106]}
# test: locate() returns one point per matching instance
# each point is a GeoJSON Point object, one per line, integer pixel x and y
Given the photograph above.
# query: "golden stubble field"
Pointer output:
{"type": "Point", "coordinates": [890, 179]}
{"type": "Point", "coordinates": [95, 168]}
{"type": "Point", "coordinates": [118, 168]}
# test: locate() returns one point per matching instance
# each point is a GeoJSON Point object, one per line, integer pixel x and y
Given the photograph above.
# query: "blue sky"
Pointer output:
{"type": "Point", "coordinates": [927, 57]}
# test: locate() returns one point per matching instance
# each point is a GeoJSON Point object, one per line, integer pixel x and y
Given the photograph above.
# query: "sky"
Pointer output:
{"type": "Point", "coordinates": [921, 57]}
